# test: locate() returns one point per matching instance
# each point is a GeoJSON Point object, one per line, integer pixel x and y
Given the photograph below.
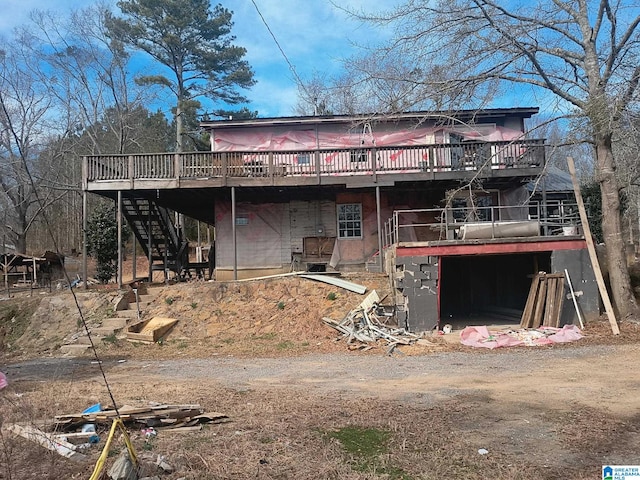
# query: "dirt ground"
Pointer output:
{"type": "Point", "coordinates": [258, 352]}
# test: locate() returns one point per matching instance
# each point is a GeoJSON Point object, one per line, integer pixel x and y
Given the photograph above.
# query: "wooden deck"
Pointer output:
{"type": "Point", "coordinates": [350, 166]}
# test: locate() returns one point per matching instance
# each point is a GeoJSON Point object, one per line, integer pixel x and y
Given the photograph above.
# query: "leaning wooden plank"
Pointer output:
{"type": "Point", "coordinates": [573, 297]}
{"type": "Point", "coordinates": [338, 282]}
{"type": "Point", "coordinates": [527, 314]}
{"type": "Point", "coordinates": [584, 221]}
{"type": "Point", "coordinates": [539, 305]}
{"type": "Point", "coordinates": [48, 441]}
{"type": "Point", "coordinates": [559, 303]}
{"type": "Point", "coordinates": [550, 300]}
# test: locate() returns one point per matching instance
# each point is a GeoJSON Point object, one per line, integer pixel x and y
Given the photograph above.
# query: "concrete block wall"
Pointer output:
{"type": "Point", "coordinates": [416, 281]}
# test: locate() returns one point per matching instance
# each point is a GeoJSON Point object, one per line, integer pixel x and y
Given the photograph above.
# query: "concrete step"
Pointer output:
{"type": "Point", "coordinates": [115, 322]}
{"type": "Point", "coordinates": [132, 313]}
{"type": "Point", "coordinates": [103, 331]}
{"type": "Point", "coordinates": [75, 349]}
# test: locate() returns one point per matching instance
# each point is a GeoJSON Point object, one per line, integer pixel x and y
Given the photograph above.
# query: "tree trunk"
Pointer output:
{"type": "Point", "coordinates": [621, 290]}
{"type": "Point", "coordinates": [21, 243]}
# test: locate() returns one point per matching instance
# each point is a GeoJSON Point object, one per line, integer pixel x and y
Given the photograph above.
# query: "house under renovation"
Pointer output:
{"type": "Point", "coordinates": [441, 201]}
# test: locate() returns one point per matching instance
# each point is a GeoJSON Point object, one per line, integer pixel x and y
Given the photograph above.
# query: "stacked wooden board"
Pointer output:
{"type": "Point", "coordinates": [157, 416]}
{"type": "Point", "coordinates": [545, 301]}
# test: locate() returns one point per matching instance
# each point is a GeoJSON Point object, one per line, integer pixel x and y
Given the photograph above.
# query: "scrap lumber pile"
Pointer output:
{"type": "Point", "coordinates": [66, 441]}
{"type": "Point", "coordinates": [363, 325]}
{"type": "Point", "coordinates": [545, 301]}
{"type": "Point", "coordinates": [158, 416]}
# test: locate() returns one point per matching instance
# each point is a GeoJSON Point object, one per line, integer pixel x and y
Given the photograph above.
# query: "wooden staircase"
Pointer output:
{"type": "Point", "coordinates": [156, 233]}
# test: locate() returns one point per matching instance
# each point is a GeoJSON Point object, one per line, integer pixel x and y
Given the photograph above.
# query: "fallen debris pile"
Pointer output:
{"type": "Point", "coordinates": [158, 416]}
{"type": "Point", "coordinates": [64, 437]}
{"type": "Point", "coordinates": [363, 325]}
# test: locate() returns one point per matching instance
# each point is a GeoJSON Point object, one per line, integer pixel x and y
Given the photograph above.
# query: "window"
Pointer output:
{"type": "Point", "coordinates": [350, 220]}
{"type": "Point", "coordinates": [242, 219]}
{"type": "Point", "coordinates": [304, 159]}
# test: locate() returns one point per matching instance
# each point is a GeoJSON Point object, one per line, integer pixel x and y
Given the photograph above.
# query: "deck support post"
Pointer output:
{"type": "Point", "coordinates": [149, 244]}
{"type": "Point", "coordinates": [379, 228]}
{"type": "Point", "coordinates": [119, 214]}
{"type": "Point", "coordinates": [84, 239]}
{"type": "Point", "coordinates": [233, 233]}
{"type": "Point", "coordinates": [543, 212]}
{"type": "Point", "coordinates": [134, 259]}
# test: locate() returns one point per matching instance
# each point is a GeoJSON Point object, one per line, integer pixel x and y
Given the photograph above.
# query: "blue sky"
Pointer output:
{"type": "Point", "coordinates": [315, 35]}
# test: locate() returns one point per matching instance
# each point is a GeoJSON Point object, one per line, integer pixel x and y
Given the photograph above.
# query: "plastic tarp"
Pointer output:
{"type": "Point", "coordinates": [482, 337]}
{"type": "Point", "coordinates": [3, 381]}
{"type": "Point", "coordinates": [268, 139]}
{"type": "Point", "coordinates": [262, 235]}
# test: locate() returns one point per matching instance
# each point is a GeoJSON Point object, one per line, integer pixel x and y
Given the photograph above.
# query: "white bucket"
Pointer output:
{"type": "Point", "coordinates": [570, 230]}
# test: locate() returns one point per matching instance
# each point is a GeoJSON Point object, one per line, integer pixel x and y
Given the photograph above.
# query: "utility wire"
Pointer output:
{"type": "Point", "coordinates": [291, 67]}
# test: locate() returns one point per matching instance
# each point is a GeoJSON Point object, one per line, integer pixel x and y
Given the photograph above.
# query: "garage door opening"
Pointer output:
{"type": "Point", "coordinates": [487, 290]}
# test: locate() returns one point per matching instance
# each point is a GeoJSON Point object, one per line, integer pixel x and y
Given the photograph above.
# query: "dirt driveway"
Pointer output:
{"type": "Point", "coordinates": [559, 412]}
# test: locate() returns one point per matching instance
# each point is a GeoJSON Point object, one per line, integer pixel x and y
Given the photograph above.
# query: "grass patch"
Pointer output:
{"type": "Point", "coordinates": [169, 300]}
{"type": "Point", "coordinates": [286, 345]}
{"type": "Point", "coordinates": [366, 446]}
{"type": "Point", "coordinates": [111, 338]}
{"type": "Point", "coordinates": [280, 305]}
{"type": "Point", "coordinates": [266, 336]}
{"type": "Point", "coordinates": [332, 296]}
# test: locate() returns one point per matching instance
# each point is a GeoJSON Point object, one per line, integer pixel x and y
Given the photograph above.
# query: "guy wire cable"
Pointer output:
{"type": "Point", "coordinates": [291, 67]}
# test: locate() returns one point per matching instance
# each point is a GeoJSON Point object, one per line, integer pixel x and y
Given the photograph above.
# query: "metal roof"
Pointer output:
{"type": "Point", "coordinates": [522, 112]}
{"type": "Point", "coordinates": [556, 181]}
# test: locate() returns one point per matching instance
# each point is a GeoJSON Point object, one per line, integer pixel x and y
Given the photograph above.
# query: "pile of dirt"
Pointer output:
{"type": "Point", "coordinates": [278, 316]}
{"type": "Point", "coordinates": [269, 317]}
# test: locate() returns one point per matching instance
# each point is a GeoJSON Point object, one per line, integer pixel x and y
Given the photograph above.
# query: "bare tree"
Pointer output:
{"type": "Point", "coordinates": [97, 103]}
{"type": "Point", "coordinates": [25, 126]}
{"type": "Point", "coordinates": [582, 53]}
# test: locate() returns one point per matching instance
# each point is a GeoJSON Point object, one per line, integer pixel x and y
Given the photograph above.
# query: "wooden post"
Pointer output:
{"type": "Point", "coordinates": [316, 157]}
{"type": "Point", "coordinates": [379, 228]}
{"type": "Point", "coordinates": [119, 223]}
{"type": "Point", "coordinates": [84, 239]}
{"type": "Point", "coordinates": [134, 259]}
{"type": "Point", "coordinates": [592, 249]}
{"type": "Point", "coordinates": [149, 244]}
{"type": "Point", "coordinates": [233, 233]}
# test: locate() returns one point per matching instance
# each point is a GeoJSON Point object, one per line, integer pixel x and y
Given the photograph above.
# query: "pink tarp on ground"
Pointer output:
{"type": "Point", "coordinates": [481, 337]}
{"type": "Point", "coordinates": [3, 381]}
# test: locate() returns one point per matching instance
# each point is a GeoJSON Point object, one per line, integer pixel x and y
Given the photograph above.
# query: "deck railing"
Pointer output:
{"type": "Point", "coordinates": [471, 156]}
{"type": "Point", "coordinates": [481, 222]}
